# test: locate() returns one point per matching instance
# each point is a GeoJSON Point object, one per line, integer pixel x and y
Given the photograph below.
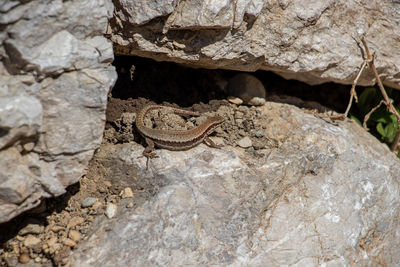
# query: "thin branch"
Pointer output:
{"type": "Point", "coordinates": [366, 118]}
{"type": "Point", "coordinates": [353, 93]}
{"type": "Point", "coordinates": [388, 101]}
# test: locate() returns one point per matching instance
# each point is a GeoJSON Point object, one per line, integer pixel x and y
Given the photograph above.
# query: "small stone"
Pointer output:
{"type": "Point", "coordinates": [126, 193]}
{"type": "Point", "coordinates": [259, 133]}
{"type": "Point", "coordinates": [75, 221]}
{"type": "Point", "coordinates": [38, 259]}
{"type": "Point", "coordinates": [235, 100]}
{"type": "Point", "coordinates": [97, 205]}
{"type": "Point", "coordinates": [24, 258]}
{"type": "Point", "coordinates": [257, 144]}
{"type": "Point", "coordinates": [31, 241]}
{"type": "Point", "coordinates": [239, 115]}
{"type": "Point", "coordinates": [107, 183]}
{"type": "Point", "coordinates": [111, 210]}
{"type": "Point", "coordinates": [130, 205]}
{"type": "Point", "coordinates": [29, 146]}
{"type": "Point", "coordinates": [256, 101]}
{"type": "Point", "coordinates": [57, 228]}
{"type": "Point", "coordinates": [10, 259]}
{"type": "Point", "coordinates": [245, 142]}
{"type": "Point", "coordinates": [74, 235]}
{"type": "Point", "coordinates": [53, 245]}
{"type": "Point", "coordinates": [20, 238]}
{"type": "Point", "coordinates": [70, 243]}
{"type": "Point", "coordinates": [88, 202]}
{"type": "Point", "coordinates": [31, 229]}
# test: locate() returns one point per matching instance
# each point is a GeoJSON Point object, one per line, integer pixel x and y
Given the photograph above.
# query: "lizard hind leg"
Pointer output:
{"type": "Point", "coordinates": [210, 143]}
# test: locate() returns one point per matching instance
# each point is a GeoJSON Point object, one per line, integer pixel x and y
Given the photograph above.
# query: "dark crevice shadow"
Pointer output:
{"type": "Point", "coordinates": [174, 83]}
{"type": "Point", "coordinates": [10, 229]}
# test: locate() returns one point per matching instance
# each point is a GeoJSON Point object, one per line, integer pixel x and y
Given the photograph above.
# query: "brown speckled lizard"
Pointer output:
{"type": "Point", "coordinates": [175, 139]}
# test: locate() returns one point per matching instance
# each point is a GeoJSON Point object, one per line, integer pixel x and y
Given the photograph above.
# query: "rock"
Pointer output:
{"type": "Point", "coordinates": [75, 221]}
{"type": "Point", "coordinates": [130, 205]}
{"type": "Point", "coordinates": [88, 202]}
{"type": "Point", "coordinates": [97, 205]}
{"type": "Point", "coordinates": [24, 258]}
{"type": "Point", "coordinates": [328, 193]}
{"type": "Point", "coordinates": [111, 210]}
{"type": "Point", "coordinates": [55, 74]}
{"type": "Point", "coordinates": [70, 243]}
{"type": "Point", "coordinates": [126, 193]}
{"type": "Point", "coordinates": [32, 228]}
{"type": "Point", "coordinates": [33, 242]}
{"type": "Point", "coordinates": [245, 142]}
{"type": "Point", "coordinates": [74, 236]}
{"type": "Point", "coordinates": [235, 100]}
{"type": "Point", "coordinates": [311, 41]}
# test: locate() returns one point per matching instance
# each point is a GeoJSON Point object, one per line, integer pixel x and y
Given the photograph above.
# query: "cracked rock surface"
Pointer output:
{"type": "Point", "coordinates": [311, 41]}
{"type": "Point", "coordinates": [55, 74]}
{"type": "Point", "coordinates": [316, 193]}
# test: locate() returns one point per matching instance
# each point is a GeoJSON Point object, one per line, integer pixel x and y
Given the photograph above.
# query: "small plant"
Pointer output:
{"type": "Point", "coordinates": [382, 123]}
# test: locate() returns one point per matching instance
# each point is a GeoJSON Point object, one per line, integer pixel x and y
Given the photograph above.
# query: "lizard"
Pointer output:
{"type": "Point", "coordinates": [175, 139]}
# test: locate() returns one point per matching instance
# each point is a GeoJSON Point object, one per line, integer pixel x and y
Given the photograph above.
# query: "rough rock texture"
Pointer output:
{"type": "Point", "coordinates": [325, 195]}
{"type": "Point", "coordinates": [55, 74]}
{"type": "Point", "coordinates": [311, 41]}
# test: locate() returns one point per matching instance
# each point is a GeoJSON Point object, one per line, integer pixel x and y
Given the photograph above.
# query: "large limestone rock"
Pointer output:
{"type": "Point", "coordinates": [311, 41]}
{"type": "Point", "coordinates": [324, 195]}
{"type": "Point", "coordinates": [55, 74]}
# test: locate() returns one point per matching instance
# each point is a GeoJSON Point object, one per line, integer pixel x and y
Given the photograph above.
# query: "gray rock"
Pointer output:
{"type": "Point", "coordinates": [311, 41]}
{"type": "Point", "coordinates": [55, 74]}
{"type": "Point", "coordinates": [88, 202]}
{"type": "Point", "coordinates": [111, 210]}
{"type": "Point", "coordinates": [245, 142]}
{"type": "Point", "coordinates": [328, 193]}
{"type": "Point", "coordinates": [33, 227]}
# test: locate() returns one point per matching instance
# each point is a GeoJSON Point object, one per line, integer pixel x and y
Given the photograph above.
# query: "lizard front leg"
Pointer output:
{"type": "Point", "coordinates": [148, 152]}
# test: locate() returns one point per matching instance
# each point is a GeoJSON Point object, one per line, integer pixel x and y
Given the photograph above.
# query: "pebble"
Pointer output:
{"type": "Point", "coordinates": [75, 221]}
{"type": "Point", "coordinates": [257, 144]}
{"type": "Point", "coordinates": [97, 205]}
{"type": "Point", "coordinates": [107, 183]}
{"type": "Point", "coordinates": [24, 258]}
{"type": "Point", "coordinates": [29, 146]}
{"type": "Point", "coordinates": [88, 202]}
{"type": "Point", "coordinates": [57, 228]}
{"type": "Point", "coordinates": [32, 229]}
{"type": "Point", "coordinates": [126, 193]}
{"type": "Point", "coordinates": [256, 101]}
{"type": "Point", "coordinates": [11, 260]}
{"type": "Point", "coordinates": [74, 235]}
{"type": "Point", "coordinates": [111, 210]}
{"type": "Point", "coordinates": [70, 243]}
{"type": "Point", "coordinates": [31, 241]}
{"type": "Point", "coordinates": [235, 100]}
{"type": "Point", "coordinates": [259, 133]}
{"type": "Point", "coordinates": [38, 259]}
{"type": "Point", "coordinates": [130, 205]}
{"type": "Point", "coordinates": [245, 142]}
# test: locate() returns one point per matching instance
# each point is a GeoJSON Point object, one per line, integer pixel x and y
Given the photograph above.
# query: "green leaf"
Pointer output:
{"type": "Point", "coordinates": [381, 130]}
{"type": "Point", "coordinates": [367, 100]}
{"type": "Point", "coordinates": [354, 118]}
{"type": "Point", "coordinates": [381, 115]}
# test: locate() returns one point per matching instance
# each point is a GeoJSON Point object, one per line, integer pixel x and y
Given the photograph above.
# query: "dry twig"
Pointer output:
{"type": "Point", "coordinates": [388, 102]}
{"type": "Point", "coordinates": [366, 117]}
